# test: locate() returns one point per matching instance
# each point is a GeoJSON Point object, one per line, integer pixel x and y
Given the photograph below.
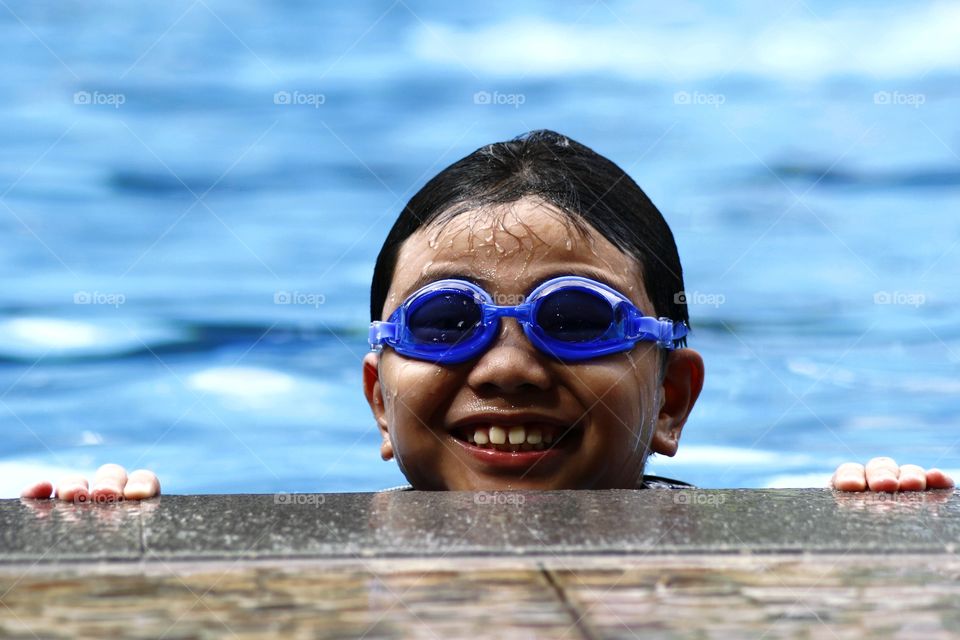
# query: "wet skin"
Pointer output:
{"type": "Point", "coordinates": [616, 404]}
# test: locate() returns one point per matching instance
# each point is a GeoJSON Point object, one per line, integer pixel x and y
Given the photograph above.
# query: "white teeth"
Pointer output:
{"type": "Point", "coordinates": [513, 438]}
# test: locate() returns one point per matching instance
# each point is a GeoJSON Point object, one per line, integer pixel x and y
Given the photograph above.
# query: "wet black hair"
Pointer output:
{"type": "Point", "coordinates": [577, 180]}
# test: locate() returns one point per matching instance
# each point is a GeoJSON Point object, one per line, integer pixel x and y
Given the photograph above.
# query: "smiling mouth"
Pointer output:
{"type": "Point", "coordinates": [513, 438]}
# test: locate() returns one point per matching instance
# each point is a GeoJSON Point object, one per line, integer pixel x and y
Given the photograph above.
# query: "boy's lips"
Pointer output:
{"type": "Point", "coordinates": [515, 441]}
{"type": "Point", "coordinates": [509, 419]}
{"type": "Point", "coordinates": [518, 428]}
{"type": "Point", "coordinates": [510, 458]}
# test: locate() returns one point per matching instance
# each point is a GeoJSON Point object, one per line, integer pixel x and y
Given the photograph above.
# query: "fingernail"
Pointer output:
{"type": "Point", "coordinates": [137, 490]}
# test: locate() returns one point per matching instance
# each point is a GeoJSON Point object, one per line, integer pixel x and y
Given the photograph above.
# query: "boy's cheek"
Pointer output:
{"type": "Point", "coordinates": [611, 386]}
{"type": "Point", "coordinates": [420, 385]}
{"type": "Point", "coordinates": [420, 456]}
{"type": "Point", "coordinates": [415, 392]}
{"type": "Point", "coordinates": [611, 371]}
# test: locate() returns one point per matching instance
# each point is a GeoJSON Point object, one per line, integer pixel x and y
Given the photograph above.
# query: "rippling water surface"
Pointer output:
{"type": "Point", "coordinates": [192, 195]}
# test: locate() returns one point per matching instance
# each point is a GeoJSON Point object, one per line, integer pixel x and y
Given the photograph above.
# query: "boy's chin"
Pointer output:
{"type": "Point", "coordinates": [492, 483]}
{"type": "Point", "coordinates": [517, 484]}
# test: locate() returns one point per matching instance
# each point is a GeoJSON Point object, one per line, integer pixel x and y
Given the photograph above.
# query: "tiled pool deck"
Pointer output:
{"type": "Point", "coordinates": [584, 564]}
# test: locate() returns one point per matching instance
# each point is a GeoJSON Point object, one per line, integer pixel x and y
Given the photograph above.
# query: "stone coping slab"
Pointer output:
{"type": "Point", "coordinates": [655, 596]}
{"type": "Point", "coordinates": [457, 524]}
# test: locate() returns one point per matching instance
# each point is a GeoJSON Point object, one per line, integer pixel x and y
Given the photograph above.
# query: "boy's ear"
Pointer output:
{"type": "Point", "coordinates": [682, 382]}
{"type": "Point", "coordinates": [373, 390]}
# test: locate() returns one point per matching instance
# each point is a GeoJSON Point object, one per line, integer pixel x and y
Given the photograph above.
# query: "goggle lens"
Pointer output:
{"type": "Point", "coordinates": [448, 318]}
{"type": "Point", "coordinates": [574, 315]}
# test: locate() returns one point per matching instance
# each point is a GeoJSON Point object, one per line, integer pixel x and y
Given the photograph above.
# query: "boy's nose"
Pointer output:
{"type": "Point", "coordinates": [512, 363]}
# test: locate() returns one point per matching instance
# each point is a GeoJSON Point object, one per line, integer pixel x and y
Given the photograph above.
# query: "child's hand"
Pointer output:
{"type": "Point", "coordinates": [883, 474]}
{"type": "Point", "coordinates": [110, 483]}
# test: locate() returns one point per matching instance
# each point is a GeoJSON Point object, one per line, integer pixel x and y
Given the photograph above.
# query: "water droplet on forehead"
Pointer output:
{"type": "Point", "coordinates": [569, 244]}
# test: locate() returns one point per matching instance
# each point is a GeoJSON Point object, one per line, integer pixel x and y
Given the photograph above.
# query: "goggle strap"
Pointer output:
{"type": "Point", "coordinates": [381, 332]}
{"type": "Point", "coordinates": [663, 330]}
{"type": "Point", "coordinates": [676, 331]}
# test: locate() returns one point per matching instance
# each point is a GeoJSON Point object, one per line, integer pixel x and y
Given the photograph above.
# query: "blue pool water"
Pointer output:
{"type": "Point", "coordinates": [192, 195]}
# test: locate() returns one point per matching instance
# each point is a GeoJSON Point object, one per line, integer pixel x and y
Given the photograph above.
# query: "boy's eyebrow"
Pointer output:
{"type": "Point", "coordinates": [593, 273]}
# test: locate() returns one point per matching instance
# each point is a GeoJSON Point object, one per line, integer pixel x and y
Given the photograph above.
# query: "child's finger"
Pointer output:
{"type": "Point", "coordinates": [912, 478]}
{"type": "Point", "coordinates": [849, 476]}
{"type": "Point", "coordinates": [108, 483]}
{"type": "Point", "coordinates": [883, 474]}
{"type": "Point", "coordinates": [141, 484]}
{"type": "Point", "coordinates": [73, 489]}
{"type": "Point", "coordinates": [937, 479]}
{"type": "Point", "coordinates": [883, 462]}
{"type": "Point", "coordinates": [38, 490]}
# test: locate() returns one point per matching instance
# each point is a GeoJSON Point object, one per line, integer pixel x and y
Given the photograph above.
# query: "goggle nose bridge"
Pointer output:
{"type": "Point", "coordinates": [492, 313]}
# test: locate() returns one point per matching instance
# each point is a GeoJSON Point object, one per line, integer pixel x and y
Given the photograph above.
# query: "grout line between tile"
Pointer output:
{"type": "Point", "coordinates": [575, 615]}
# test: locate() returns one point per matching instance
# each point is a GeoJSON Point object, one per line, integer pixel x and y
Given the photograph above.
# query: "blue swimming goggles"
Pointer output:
{"type": "Point", "coordinates": [570, 318]}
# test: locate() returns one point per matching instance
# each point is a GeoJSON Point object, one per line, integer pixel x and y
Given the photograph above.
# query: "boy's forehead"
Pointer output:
{"type": "Point", "coordinates": [512, 246]}
{"type": "Point", "coordinates": [523, 227]}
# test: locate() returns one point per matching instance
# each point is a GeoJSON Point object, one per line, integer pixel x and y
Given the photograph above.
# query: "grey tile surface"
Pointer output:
{"type": "Point", "coordinates": [437, 524]}
{"type": "Point", "coordinates": [50, 530]}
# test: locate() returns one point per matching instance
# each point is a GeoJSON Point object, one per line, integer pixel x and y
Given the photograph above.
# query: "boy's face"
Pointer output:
{"type": "Point", "coordinates": [618, 407]}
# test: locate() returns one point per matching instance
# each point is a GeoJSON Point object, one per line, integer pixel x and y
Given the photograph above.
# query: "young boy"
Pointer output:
{"type": "Point", "coordinates": [527, 335]}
